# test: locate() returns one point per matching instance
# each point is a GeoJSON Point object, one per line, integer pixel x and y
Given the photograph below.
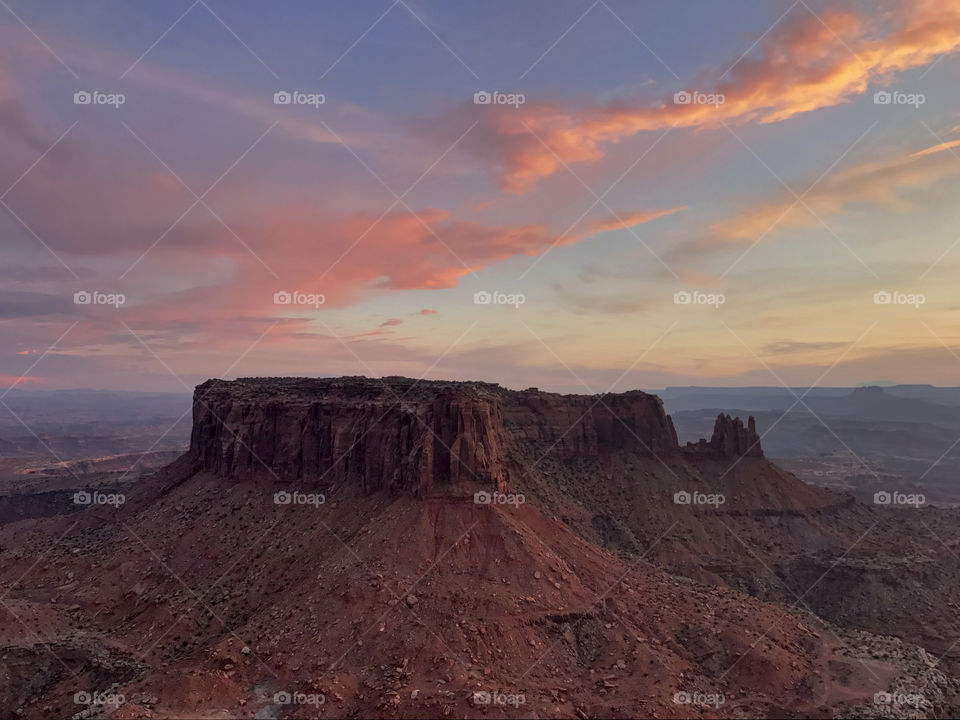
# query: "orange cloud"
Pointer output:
{"type": "Point", "coordinates": [630, 219]}
{"type": "Point", "coordinates": [805, 64]}
{"type": "Point", "coordinates": [937, 148]}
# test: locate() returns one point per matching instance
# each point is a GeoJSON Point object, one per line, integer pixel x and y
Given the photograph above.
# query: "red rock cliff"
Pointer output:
{"type": "Point", "coordinates": [575, 425]}
{"type": "Point", "coordinates": [402, 435]}
{"type": "Point", "coordinates": [730, 439]}
{"type": "Point", "coordinates": [383, 435]}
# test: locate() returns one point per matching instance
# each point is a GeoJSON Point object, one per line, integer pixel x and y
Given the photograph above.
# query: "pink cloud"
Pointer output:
{"type": "Point", "coordinates": [11, 381]}
{"type": "Point", "coordinates": [805, 64]}
{"type": "Point", "coordinates": [624, 220]}
{"type": "Point", "coordinates": [879, 182]}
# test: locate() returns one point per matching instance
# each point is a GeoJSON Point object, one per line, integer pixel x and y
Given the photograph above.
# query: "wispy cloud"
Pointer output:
{"type": "Point", "coordinates": [874, 183]}
{"type": "Point", "coordinates": [807, 63]}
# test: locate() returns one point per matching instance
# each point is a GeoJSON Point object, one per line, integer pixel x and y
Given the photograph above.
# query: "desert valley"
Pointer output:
{"type": "Point", "coordinates": [358, 547]}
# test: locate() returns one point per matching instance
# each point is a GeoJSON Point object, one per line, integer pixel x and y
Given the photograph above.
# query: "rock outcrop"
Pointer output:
{"type": "Point", "coordinates": [730, 439]}
{"type": "Point", "coordinates": [392, 435]}
{"type": "Point", "coordinates": [590, 425]}
{"type": "Point", "coordinates": [405, 435]}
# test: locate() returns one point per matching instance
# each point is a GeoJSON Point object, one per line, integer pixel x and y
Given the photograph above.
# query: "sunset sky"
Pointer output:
{"type": "Point", "coordinates": [782, 208]}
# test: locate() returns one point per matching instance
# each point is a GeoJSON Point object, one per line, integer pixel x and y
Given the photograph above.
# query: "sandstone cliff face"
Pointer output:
{"type": "Point", "coordinates": [730, 439]}
{"type": "Point", "coordinates": [401, 435]}
{"type": "Point", "coordinates": [388, 435]}
{"type": "Point", "coordinates": [589, 425]}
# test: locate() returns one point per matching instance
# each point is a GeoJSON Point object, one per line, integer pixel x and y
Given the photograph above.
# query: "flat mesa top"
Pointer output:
{"type": "Point", "coordinates": [360, 385]}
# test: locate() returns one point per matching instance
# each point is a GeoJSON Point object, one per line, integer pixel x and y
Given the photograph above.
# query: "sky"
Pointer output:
{"type": "Point", "coordinates": [579, 196]}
